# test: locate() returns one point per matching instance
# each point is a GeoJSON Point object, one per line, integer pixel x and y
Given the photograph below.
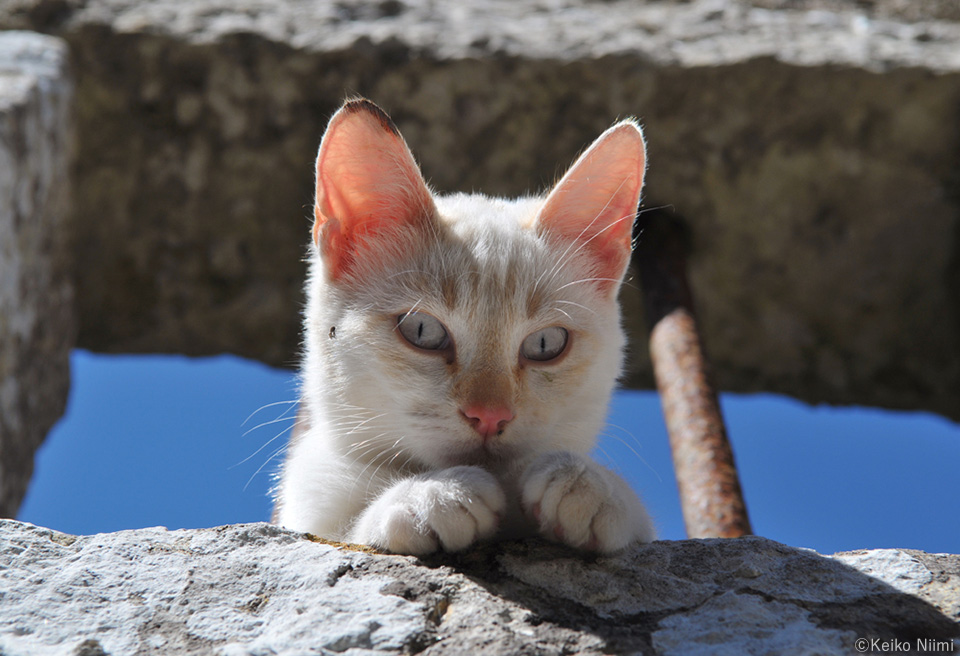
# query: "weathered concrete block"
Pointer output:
{"type": "Point", "coordinates": [36, 317]}
{"type": "Point", "coordinates": [813, 154]}
{"type": "Point", "coordinates": [258, 589]}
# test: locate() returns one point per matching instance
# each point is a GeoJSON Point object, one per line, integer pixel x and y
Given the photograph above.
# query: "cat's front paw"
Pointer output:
{"type": "Point", "coordinates": [449, 509]}
{"type": "Point", "coordinates": [576, 501]}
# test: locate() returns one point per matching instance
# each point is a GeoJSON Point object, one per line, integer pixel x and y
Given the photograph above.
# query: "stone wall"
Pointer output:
{"type": "Point", "coordinates": [257, 589]}
{"type": "Point", "coordinates": [36, 306]}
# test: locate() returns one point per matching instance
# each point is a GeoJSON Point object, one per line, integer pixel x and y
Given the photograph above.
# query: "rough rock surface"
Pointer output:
{"type": "Point", "coordinates": [811, 147]}
{"type": "Point", "coordinates": [36, 319]}
{"type": "Point", "coordinates": [257, 589]}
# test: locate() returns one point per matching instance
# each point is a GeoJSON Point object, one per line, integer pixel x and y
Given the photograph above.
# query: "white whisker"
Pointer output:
{"type": "Point", "coordinates": [273, 455]}
{"type": "Point", "coordinates": [269, 405]}
{"type": "Point", "coordinates": [627, 444]}
{"type": "Point", "coordinates": [579, 305]}
{"type": "Point", "coordinates": [266, 444]}
{"type": "Point", "coordinates": [268, 423]}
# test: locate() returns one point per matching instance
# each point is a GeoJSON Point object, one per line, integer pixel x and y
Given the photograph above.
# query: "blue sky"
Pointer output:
{"type": "Point", "coordinates": [166, 441]}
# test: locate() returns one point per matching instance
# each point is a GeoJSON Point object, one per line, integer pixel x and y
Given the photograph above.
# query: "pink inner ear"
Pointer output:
{"type": "Point", "coordinates": [595, 203]}
{"type": "Point", "coordinates": [368, 184]}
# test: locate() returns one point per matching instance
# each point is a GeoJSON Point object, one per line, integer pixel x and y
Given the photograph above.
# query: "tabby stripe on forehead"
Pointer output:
{"type": "Point", "coordinates": [511, 282]}
{"type": "Point", "coordinates": [448, 287]}
{"type": "Point", "coordinates": [535, 301]}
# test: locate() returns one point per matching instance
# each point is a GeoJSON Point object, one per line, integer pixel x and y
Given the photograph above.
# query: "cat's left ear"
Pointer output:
{"type": "Point", "coordinates": [369, 190]}
{"type": "Point", "coordinates": [593, 206]}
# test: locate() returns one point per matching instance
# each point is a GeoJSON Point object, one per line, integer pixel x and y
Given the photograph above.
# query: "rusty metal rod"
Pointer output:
{"type": "Point", "coordinates": [710, 493]}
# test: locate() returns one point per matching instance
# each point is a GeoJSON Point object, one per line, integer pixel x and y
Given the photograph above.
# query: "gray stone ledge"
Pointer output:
{"type": "Point", "coordinates": [258, 589]}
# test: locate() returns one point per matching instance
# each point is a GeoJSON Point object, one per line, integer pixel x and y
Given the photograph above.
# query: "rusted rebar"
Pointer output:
{"type": "Point", "coordinates": [710, 493]}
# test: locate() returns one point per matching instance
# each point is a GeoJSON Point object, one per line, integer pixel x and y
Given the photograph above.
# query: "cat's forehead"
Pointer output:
{"type": "Point", "coordinates": [490, 260]}
{"type": "Point", "coordinates": [494, 246]}
{"type": "Point", "coordinates": [492, 233]}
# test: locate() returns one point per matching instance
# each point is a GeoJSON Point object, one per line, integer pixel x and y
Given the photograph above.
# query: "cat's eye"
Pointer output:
{"type": "Point", "coordinates": [423, 331]}
{"type": "Point", "coordinates": [545, 344]}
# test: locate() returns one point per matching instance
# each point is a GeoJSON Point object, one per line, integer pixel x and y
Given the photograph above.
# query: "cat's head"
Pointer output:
{"type": "Point", "coordinates": [464, 329]}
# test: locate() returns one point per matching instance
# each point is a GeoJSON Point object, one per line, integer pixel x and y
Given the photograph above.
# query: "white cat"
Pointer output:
{"type": "Point", "coordinates": [460, 352]}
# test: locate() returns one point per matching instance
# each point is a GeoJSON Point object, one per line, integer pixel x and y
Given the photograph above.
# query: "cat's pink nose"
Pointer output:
{"type": "Point", "coordinates": [488, 421]}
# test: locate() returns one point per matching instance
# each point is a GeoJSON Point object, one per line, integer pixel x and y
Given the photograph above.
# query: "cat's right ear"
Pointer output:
{"type": "Point", "coordinates": [368, 188]}
{"type": "Point", "coordinates": [595, 203]}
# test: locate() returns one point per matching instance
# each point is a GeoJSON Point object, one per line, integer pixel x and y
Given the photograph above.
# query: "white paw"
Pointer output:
{"type": "Point", "coordinates": [576, 501]}
{"type": "Point", "coordinates": [449, 509]}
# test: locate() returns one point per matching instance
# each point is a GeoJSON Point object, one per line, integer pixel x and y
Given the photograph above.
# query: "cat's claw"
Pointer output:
{"type": "Point", "coordinates": [449, 509]}
{"type": "Point", "coordinates": [577, 502]}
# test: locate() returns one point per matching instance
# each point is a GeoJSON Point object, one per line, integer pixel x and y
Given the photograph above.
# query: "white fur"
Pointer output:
{"type": "Point", "coordinates": [389, 461]}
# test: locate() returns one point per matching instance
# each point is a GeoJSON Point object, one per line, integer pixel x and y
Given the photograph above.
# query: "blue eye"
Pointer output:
{"type": "Point", "coordinates": [545, 344]}
{"type": "Point", "coordinates": [423, 331]}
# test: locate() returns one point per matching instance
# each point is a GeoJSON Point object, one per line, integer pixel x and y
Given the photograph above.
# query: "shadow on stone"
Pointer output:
{"type": "Point", "coordinates": [751, 593]}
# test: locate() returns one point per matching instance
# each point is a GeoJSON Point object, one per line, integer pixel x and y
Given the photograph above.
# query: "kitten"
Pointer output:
{"type": "Point", "coordinates": [460, 351]}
